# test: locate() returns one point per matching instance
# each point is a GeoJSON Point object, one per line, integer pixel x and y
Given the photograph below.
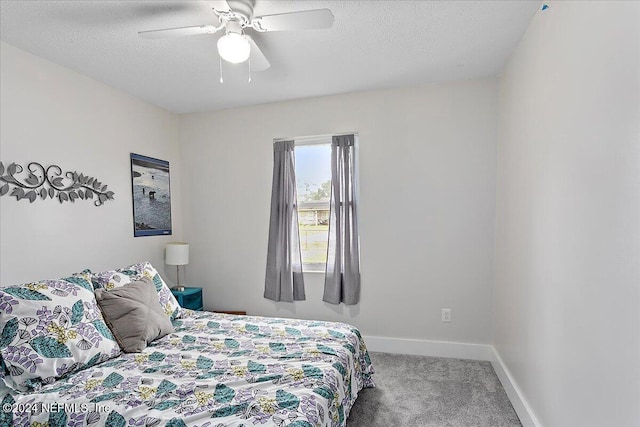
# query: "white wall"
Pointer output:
{"type": "Point", "coordinates": [427, 178]}
{"type": "Point", "coordinates": [567, 298]}
{"type": "Point", "coordinates": [51, 115]}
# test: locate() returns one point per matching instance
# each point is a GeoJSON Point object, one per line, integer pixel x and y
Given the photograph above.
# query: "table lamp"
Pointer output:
{"type": "Point", "coordinates": [177, 253]}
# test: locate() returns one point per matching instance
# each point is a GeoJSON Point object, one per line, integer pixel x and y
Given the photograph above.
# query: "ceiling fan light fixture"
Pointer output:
{"type": "Point", "coordinates": [234, 47]}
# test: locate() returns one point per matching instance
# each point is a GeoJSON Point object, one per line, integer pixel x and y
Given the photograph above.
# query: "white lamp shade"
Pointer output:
{"type": "Point", "coordinates": [234, 48]}
{"type": "Point", "coordinates": [177, 253]}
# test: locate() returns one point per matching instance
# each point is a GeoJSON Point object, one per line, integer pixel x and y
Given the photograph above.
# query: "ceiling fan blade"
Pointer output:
{"type": "Point", "coordinates": [258, 61]}
{"type": "Point", "coordinates": [305, 20]}
{"type": "Point", "coordinates": [178, 32]}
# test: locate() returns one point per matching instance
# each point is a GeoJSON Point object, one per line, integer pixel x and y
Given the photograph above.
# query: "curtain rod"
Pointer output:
{"type": "Point", "coordinates": [313, 139]}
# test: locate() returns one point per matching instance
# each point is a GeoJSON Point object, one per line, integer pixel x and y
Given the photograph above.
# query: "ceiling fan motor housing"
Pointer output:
{"type": "Point", "coordinates": [234, 26]}
{"type": "Point", "coordinates": [243, 8]}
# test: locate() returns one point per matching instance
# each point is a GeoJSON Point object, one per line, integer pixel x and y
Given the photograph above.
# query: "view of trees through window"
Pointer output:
{"type": "Point", "coordinates": [313, 186]}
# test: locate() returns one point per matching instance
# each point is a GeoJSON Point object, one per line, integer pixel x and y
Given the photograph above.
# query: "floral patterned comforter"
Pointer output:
{"type": "Point", "coordinates": [215, 370]}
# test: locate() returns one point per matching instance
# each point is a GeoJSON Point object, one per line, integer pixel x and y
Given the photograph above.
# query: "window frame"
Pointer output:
{"type": "Point", "coordinates": [324, 139]}
{"type": "Point", "coordinates": [306, 141]}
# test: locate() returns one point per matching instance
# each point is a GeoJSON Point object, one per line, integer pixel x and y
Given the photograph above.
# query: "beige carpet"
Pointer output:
{"type": "Point", "coordinates": [433, 392]}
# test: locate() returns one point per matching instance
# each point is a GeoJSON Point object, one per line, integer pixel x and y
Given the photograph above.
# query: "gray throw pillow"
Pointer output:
{"type": "Point", "coordinates": [134, 314]}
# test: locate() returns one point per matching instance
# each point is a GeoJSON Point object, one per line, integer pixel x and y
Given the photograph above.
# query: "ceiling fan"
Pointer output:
{"type": "Point", "coordinates": [235, 17]}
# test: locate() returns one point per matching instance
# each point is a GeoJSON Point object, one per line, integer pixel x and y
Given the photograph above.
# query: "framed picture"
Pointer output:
{"type": "Point", "coordinates": [151, 196]}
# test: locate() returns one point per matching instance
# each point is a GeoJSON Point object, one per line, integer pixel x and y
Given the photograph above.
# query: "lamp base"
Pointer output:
{"type": "Point", "coordinates": [178, 287]}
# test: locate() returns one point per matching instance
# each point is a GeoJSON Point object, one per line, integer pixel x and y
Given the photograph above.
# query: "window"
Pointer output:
{"type": "Point", "coordinates": [313, 223]}
{"type": "Point", "coordinates": [313, 187]}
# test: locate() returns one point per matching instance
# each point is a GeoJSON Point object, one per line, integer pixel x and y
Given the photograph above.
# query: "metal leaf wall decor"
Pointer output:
{"type": "Point", "coordinates": [50, 183]}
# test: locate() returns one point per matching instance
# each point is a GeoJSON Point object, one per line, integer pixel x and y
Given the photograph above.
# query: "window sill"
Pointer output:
{"type": "Point", "coordinates": [312, 272]}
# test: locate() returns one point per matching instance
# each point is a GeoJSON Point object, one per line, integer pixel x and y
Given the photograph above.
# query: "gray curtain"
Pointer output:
{"type": "Point", "coordinates": [342, 279]}
{"type": "Point", "coordinates": [284, 281]}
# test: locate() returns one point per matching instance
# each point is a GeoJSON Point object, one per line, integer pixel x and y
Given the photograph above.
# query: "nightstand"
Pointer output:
{"type": "Point", "coordinates": [189, 298]}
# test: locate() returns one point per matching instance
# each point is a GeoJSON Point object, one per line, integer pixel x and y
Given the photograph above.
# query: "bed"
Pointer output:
{"type": "Point", "coordinates": [213, 370]}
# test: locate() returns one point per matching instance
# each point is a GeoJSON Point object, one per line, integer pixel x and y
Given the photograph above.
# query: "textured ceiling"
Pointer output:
{"type": "Point", "coordinates": [372, 45]}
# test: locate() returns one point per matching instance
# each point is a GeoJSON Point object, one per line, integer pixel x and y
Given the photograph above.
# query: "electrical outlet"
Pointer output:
{"type": "Point", "coordinates": [446, 315]}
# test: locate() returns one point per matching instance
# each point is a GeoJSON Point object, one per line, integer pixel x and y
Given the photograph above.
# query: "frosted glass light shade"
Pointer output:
{"type": "Point", "coordinates": [234, 48]}
{"type": "Point", "coordinates": [177, 253]}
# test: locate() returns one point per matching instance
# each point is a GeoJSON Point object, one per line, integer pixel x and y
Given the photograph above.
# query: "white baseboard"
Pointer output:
{"type": "Point", "coordinates": [455, 350]}
{"type": "Point", "coordinates": [460, 350]}
{"type": "Point", "coordinates": [524, 411]}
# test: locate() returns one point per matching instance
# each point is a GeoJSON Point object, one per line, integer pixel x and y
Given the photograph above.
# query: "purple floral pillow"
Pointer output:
{"type": "Point", "coordinates": [123, 276]}
{"type": "Point", "coordinates": [50, 329]}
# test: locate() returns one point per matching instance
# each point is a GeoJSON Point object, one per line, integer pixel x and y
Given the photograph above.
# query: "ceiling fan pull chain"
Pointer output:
{"type": "Point", "coordinates": [221, 79]}
{"type": "Point", "coordinates": [249, 81]}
